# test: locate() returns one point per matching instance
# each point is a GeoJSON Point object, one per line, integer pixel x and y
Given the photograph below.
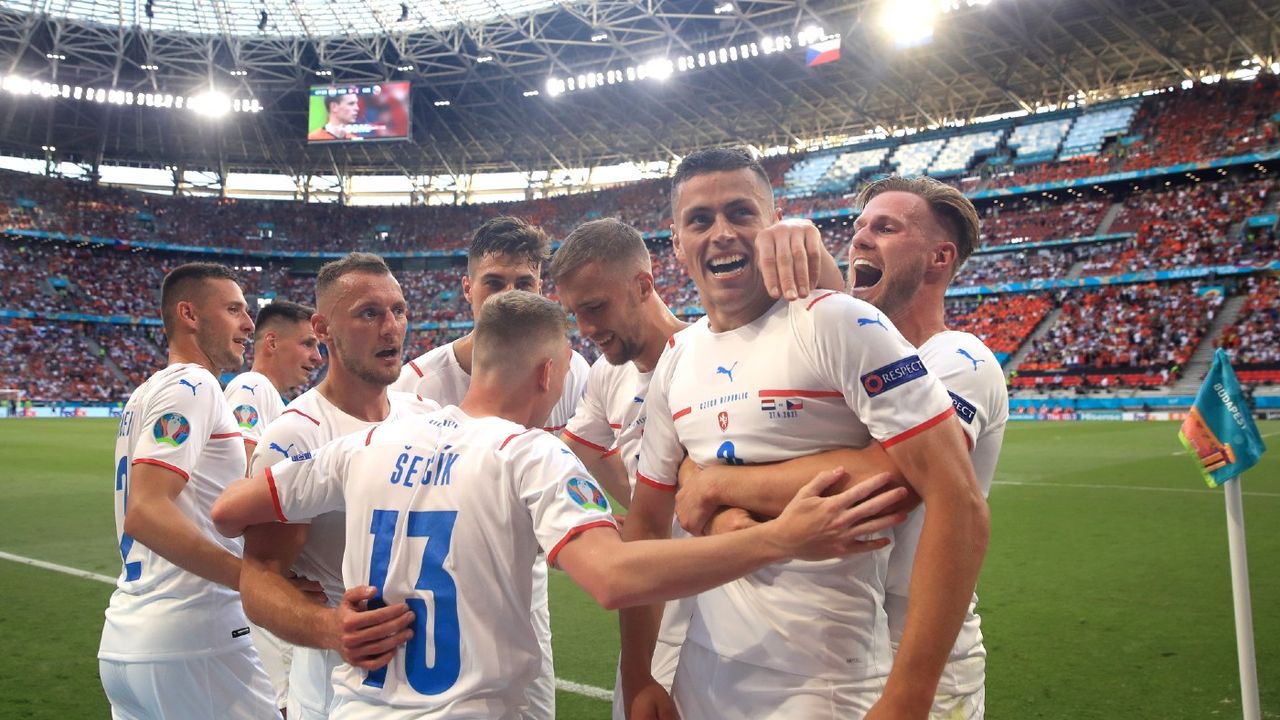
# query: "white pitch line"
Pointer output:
{"type": "Point", "coordinates": [1084, 486]}
{"type": "Point", "coordinates": [590, 691]}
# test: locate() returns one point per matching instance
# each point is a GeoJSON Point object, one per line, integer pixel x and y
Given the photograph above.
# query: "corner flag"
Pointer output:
{"type": "Point", "coordinates": [1219, 431]}
{"type": "Point", "coordinates": [1220, 434]}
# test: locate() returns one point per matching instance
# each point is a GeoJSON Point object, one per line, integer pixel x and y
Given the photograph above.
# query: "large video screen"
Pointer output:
{"type": "Point", "coordinates": [354, 113]}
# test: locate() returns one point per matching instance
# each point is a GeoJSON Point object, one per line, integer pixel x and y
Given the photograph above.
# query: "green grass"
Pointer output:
{"type": "Point", "coordinates": [1106, 591]}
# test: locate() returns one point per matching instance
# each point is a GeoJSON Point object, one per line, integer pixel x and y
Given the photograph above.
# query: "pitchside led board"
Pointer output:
{"type": "Point", "coordinates": [358, 113]}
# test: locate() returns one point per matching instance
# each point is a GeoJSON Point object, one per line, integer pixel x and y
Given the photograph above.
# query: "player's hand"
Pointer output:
{"type": "Point", "coordinates": [312, 589]}
{"type": "Point", "coordinates": [729, 519]}
{"type": "Point", "coordinates": [789, 254]}
{"type": "Point", "coordinates": [653, 702]}
{"type": "Point", "coordinates": [812, 527]}
{"type": "Point", "coordinates": [695, 497]}
{"type": "Point", "coordinates": [369, 638]}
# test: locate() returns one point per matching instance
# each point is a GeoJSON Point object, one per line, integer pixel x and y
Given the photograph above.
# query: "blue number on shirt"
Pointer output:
{"type": "Point", "coordinates": [725, 454]}
{"type": "Point", "coordinates": [132, 570]}
{"type": "Point", "coordinates": [429, 676]}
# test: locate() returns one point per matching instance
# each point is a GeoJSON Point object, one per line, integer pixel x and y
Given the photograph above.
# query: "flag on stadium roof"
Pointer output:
{"type": "Point", "coordinates": [823, 51]}
{"type": "Point", "coordinates": [1219, 431]}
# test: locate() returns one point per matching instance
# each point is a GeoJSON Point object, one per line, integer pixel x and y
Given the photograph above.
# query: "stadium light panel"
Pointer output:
{"type": "Point", "coordinates": [485, 59]}
{"type": "Point", "coordinates": [531, 93]}
{"type": "Point", "coordinates": [909, 22]}
{"type": "Point", "coordinates": [725, 8]}
{"type": "Point", "coordinates": [212, 104]}
{"type": "Point", "coordinates": [599, 36]}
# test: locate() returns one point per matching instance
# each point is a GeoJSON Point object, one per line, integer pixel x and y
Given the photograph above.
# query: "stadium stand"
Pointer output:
{"type": "Point", "coordinates": [1094, 127]}
{"type": "Point", "coordinates": [1253, 340]}
{"type": "Point", "coordinates": [914, 158]}
{"type": "Point", "coordinates": [1039, 141]}
{"type": "Point", "coordinates": [960, 150]}
{"type": "Point", "coordinates": [1033, 221]}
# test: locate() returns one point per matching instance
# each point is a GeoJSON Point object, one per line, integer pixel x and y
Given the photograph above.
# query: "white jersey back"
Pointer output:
{"type": "Point", "coordinates": [610, 416]}
{"type": "Point", "coordinates": [436, 375]}
{"type": "Point", "coordinates": [818, 373]}
{"type": "Point", "coordinates": [446, 512]}
{"type": "Point", "coordinates": [177, 420]}
{"type": "Point", "coordinates": [255, 402]}
{"type": "Point", "coordinates": [975, 382]}
{"type": "Point", "coordinates": [310, 422]}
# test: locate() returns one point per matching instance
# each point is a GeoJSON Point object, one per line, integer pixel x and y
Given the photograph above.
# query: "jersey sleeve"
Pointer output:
{"type": "Point", "coordinates": [293, 433]}
{"type": "Point", "coordinates": [310, 484]}
{"type": "Point", "coordinates": [974, 382]}
{"type": "Point", "coordinates": [250, 411]}
{"type": "Point", "coordinates": [589, 425]}
{"type": "Point", "coordinates": [562, 498]}
{"type": "Point", "coordinates": [660, 450]}
{"type": "Point", "coordinates": [179, 421]}
{"type": "Point", "coordinates": [880, 374]}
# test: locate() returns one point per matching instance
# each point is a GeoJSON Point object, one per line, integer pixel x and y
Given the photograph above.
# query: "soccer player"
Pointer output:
{"type": "Point", "coordinates": [343, 110]}
{"type": "Point", "coordinates": [285, 353]}
{"type": "Point", "coordinates": [603, 274]}
{"type": "Point", "coordinates": [911, 239]}
{"type": "Point", "coordinates": [505, 253]}
{"type": "Point", "coordinates": [175, 634]}
{"type": "Point", "coordinates": [447, 511]}
{"type": "Point", "coordinates": [361, 316]}
{"type": "Point", "coordinates": [760, 381]}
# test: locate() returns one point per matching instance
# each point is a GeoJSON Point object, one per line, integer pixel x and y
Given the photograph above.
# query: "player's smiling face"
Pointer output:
{"type": "Point", "coordinates": [223, 325]}
{"type": "Point", "coordinates": [889, 255]}
{"type": "Point", "coordinates": [499, 272]}
{"type": "Point", "coordinates": [716, 218]}
{"type": "Point", "coordinates": [299, 351]}
{"type": "Point", "coordinates": [606, 301]}
{"type": "Point", "coordinates": [365, 329]}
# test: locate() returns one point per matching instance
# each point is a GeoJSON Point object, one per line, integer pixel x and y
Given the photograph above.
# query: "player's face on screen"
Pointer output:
{"type": "Point", "coordinates": [606, 301]}
{"type": "Point", "coordinates": [365, 330]}
{"type": "Point", "coordinates": [890, 250]}
{"type": "Point", "coordinates": [717, 218]}
{"type": "Point", "coordinates": [223, 325]}
{"type": "Point", "coordinates": [499, 272]}
{"type": "Point", "coordinates": [345, 110]}
{"type": "Point", "coordinates": [299, 351]}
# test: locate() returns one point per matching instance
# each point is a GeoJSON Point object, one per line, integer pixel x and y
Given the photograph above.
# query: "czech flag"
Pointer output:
{"type": "Point", "coordinates": [823, 51]}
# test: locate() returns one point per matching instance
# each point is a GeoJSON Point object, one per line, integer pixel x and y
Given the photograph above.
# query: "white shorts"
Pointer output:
{"type": "Point", "coordinates": [276, 655]}
{"type": "Point", "coordinates": [311, 683]}
{"type": "Point", "coordinates": [665, 659]}
{"type": "Point", "coordinates": [231, 685]}
{"type": "Point", "coordinates": [711, 687]}
{"type": "Point", "coordinates": [541, 695]}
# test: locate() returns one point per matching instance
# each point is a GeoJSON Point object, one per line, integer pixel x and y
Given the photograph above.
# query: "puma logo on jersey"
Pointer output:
{"type": "Point", "coordinates": [863, 322]}
{"type": "Point", "coordinates": [282, 451]}
{"type": "Point", "coordinates": [970, 358]}
{"type": "Point", "coordinates": [721, 370]}
{"type": "Point", "coordinates": [251, 388]}
{"type": "Point", "coordinates": [186, 382]}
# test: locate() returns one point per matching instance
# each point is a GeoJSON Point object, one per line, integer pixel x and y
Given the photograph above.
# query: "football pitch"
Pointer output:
{"type": "Point", "coordinates": [1105, 594]}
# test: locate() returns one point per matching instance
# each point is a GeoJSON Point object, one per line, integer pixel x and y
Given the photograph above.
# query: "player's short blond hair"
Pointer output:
{"type": "Point", "coordinates": [608, 241]}
{"type": "Point", "coordinates": [516, 327]}
{"type": "Point", "coordinates": [361, 262]}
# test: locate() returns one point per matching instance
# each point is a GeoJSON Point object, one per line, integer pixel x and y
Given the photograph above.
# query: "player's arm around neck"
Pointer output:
{"type": "Point", "coordinates": [766, 489]}
{"type": "Point", "coordinates": [155, 520]}
{"type": "Point", "coordinates": [948, 558]}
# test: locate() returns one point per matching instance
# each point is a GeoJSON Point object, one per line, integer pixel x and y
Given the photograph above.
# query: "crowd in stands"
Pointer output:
{"type": "Point", "coordinates": [55, 362]}
{"type": "Point", "coordinates": [1090, 166]}
{"type": "Point", "coordinates": [1020, 266]}
{"type": "Point", "coordinates": [1254, 338]}
{"type": "Point", "coordinates": [1003, 322]}
{"type": "Point", "coordinates": [1138, 335]}
{"type": "Point", "coordinates": [1037, 221]}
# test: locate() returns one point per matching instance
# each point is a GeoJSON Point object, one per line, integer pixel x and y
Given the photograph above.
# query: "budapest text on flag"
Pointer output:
{"type": "Point", "coordinates": [1219, 431]}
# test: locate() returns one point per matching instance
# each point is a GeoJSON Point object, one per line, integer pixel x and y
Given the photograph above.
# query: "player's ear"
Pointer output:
{"type": "Point", "coordinates": [944, 254]}
{"type": "Point", "coordinates": [186, 311]}
{"type": "Point", "coordinates": [544, 374]}
{"type": "Point", "coordinates": [643, 282]}
{"type": "Point", "coordinates": [675, 243]}
{"type": "Point", "coordinates": [320, 324]}
{"type": "Point", "coordinates": [466, 288]}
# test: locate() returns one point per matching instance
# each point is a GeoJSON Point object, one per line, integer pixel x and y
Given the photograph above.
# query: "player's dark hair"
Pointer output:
{"type": "Point", "coordinates": [280, 312]}
{"type": "Point", "coordinates": [602, 241]}
{"type": "Point", "coordinates": [720, 159]}
{"type": "Point", "coordinates": [513, 324]}
{"type": "Point", "coordinates": [332, 100]}
{"type": "Point", "coordinates": [184, 282]}
{"type": "Point", "coordinates": [361, 262]}
{"type": "Point", "coordinates": [506, 235]}
{"type": "Point", "coordinates": [953, 211]}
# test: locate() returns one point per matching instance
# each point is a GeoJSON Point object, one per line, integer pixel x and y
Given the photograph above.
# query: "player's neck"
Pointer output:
{"type": "Point", "coordinates": [184, 353]}
{"type": "Point", "coordinates": [662, 326]}
{"type": "Point", "coordinates": [725, 319]}
{"type": "Point", "coordinates": [461, 349]}
{"type": "Point", "coordinates": [491, 399]}
{"type": "Point", "coordinates": [921, 319]}
{"type": "Point", "coordinates": [353, 396]}
{"type": "Point", "coordinates": [272, 375]}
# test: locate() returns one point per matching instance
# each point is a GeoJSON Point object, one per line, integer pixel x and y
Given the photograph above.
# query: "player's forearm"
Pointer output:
{"type": "Point", "coordinates": [160, 525]}
{"type": "Point", "coordinates": [766, 489]}
{"type": "Point", "coordinates": [274, 603]}
{"type": "Point", "coordinates": [610, 473]}
{"type": "Point", "coordinates": [829, 275]}
{"type": "Point", "coordinates": [649, 519]}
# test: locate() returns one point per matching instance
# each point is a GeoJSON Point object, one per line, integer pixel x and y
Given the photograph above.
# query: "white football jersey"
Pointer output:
{"type": "Point", "coordinates": [822, 372]}
{"type": "Point", "coordinates": [610, 416]}
{"type": "Point", "coordinates": [309, 422]}
{"type": "Point", "coordinates": [447, 512]}
{"type": "Point", "coordinates": [178, 420]}
{"type": "Point", "coordinates": [255, 402]}
{"type": "Point", "coordinates": [436, 375]}
{"type": "Point", "coordinates": [975, 382]}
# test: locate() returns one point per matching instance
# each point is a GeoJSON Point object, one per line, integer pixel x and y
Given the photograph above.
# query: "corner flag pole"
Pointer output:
{"type": "Point", "coordinates": [1249, 701]}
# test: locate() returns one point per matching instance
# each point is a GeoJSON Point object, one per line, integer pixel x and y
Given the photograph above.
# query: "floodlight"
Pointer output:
{"type": "Point", "coordinates": [211, 104]}
{"type": "Point", "coordinates": [908, 22]}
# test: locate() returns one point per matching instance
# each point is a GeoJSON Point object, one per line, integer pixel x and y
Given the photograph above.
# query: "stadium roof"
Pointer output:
{"type": "Point", "coordinates": [486, 58]}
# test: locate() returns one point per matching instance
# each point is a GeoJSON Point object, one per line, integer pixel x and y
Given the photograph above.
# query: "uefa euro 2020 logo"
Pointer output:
{"type": "Point", "coordinates": [171, 429]}
{"type": "Point", "coordinates": [246, 416]}
{"type": "Point", "coordinates": [586, 495]}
